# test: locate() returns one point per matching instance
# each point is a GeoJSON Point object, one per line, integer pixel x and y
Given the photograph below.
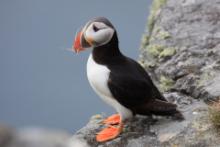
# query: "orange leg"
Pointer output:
{"type": "Point", "coordinates": [109, 133]}
{"type": "Point", "coordinates": [112, 120]}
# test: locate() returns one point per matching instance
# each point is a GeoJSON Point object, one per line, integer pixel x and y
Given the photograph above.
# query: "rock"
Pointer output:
{"type": "Point", "coordinates": [35, 137]}
{"type": "Point", "coordinates": [32, 137]}
{"type": "Point", "coordinates": [191, 30]}
{"type": "Point", "coordinates": [77, 142]}
{"type": "Point", "coordinates": [143, 131]}
{"type": "Point", "coordinates": [6, 135]}
{"type": "Point", "coordinates": [181, 52]}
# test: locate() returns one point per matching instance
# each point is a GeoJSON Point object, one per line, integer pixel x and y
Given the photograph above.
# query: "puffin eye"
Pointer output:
{"type": "Point", "coordinates": [95, 28]}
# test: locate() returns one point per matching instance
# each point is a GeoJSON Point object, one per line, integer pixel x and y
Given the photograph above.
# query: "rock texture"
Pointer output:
{"type": "Point", "coordinates": [181, 51]}
{"type": "Point", "coordinates": [195, 131]}
{"type": "Point", "coordinates": [32, 137]}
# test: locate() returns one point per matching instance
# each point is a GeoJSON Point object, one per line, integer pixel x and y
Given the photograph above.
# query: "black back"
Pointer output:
{"type": "Point", "coordinates": [128, 82]}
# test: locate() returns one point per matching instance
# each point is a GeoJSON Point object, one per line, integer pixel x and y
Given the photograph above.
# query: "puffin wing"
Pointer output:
{"type": "Point", "coordinates": [129, 91]}
{"type": "Point", "coordinates": [142, 73]}
{"type": "Point", "coordinates": [137, 95]}
{"type": "Point", "coordinates": [130, 84]}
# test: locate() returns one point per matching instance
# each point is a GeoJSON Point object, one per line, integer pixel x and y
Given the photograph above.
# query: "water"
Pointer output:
{"type": "Point", "coordinates": [41, 83]}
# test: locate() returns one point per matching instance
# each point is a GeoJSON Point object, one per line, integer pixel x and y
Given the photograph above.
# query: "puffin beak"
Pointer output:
{"type": "Point", "coordinates": [77, 45]}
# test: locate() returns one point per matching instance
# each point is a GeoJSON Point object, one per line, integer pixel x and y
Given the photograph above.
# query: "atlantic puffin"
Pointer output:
{"type": "Point", "coordinates": [119, 80]}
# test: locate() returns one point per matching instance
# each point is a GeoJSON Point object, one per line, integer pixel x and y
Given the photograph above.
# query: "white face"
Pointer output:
{"type": "Point", "coordinates": [98, 33]}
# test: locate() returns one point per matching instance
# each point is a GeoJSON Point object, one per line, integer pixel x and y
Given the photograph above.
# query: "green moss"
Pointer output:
{"type": "Point", "coordinates": [155, 49]}
{"type": "Point", "coordinates": [166, 83]}
{"type": "Point", "coordinates": [160, 51]}
{"type": "Point", "coordinates": [167, 52]}
{"type": "Point", "coordinates": [155, 9]}
{"type": "Point", "coordinates": [164, 35]}
{"type": "Point", "coordinates": [147, 64]}
{"type": "Point", "coordinates": [145, 40]}
{"type": "Point", "coordinates": [150, 64]}
{"type": "Point", "coordinates": [160, 33]}
{"type": "Point", "coordinates": [214, 114]}
{"type": "Point", "coordinates": [205, 77]}
{"type": "Point", "coordinates": [156, 5]}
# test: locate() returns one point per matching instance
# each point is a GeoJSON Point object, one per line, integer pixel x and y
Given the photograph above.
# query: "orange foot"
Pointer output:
{"type": "Point", "coordinates": [112, 120]}
{"type": "Point", "coordinates": [109, 133]}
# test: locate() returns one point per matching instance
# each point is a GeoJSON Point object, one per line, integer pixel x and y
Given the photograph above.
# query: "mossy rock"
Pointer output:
{"type": "Point", "coordinates": [156, 5]}
{"type": "Point", "coordinates": [155, 49]}
{"type": "Point", "coordinates": [145, 40]}
{"type": "Point", "coordinates": [160, 33]}
{"type": "Point", "coordinates": [160, 51]}
{"type": "Point", "coordinates": [167, 52]}
{"type": "Point", "coordinates": [214, 114]}
{"type": "Point", "coordinates": [163, 34]}
{"type": "Point", "coordinates": [166, 83]}
{"type": "Point", "coordinates": [205, 77]}
{"type": "Point", "coordinates": [150, 64]}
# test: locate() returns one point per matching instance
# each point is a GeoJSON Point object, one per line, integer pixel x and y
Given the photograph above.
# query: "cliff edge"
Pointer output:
{"type": "Point", "coordinates": [181, 52]}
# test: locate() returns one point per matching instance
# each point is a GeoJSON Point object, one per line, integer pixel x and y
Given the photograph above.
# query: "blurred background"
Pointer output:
{"type": "Point", "coordinates": [41, 83]}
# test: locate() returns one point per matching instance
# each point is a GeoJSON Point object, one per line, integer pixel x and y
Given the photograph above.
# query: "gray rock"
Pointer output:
{"type": "Point", "coordinates": [33, 137]}
{"type": "Point", "coordinates": [76, 141]}
{"type": "Point", "coordinates": [192, 29]}
{"type": "Point", "coordinates": [6, 135]}
{"type": "Point", "coordinates": [195, 130]}
{"type": "Point", "coordinates": [181, 52]}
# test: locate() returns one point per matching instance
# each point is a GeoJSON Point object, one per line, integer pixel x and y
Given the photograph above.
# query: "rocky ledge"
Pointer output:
{"type": "Point", "coordinates": [181, 52]}
{"type": "Point", "coordinates": [32, 137]}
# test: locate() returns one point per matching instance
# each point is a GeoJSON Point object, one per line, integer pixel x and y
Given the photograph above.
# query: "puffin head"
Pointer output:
{"type": "Point", "coordinates": [97, 32]}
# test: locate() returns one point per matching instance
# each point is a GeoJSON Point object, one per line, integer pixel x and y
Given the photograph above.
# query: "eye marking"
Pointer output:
{"type": "Point", "coordinates": [99, 33]}
{"type": "Point", "coordinates": [95, 28]}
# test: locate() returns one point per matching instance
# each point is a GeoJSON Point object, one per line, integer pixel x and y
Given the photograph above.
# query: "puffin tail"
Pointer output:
{"type": "Point", "coordinates": [159, 107]}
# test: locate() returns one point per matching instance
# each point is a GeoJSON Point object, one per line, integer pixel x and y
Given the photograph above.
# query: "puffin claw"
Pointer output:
{"type": "Point", "coordinates": [112, 120]}
{"type": "Point", "coordinates": [109, 133]}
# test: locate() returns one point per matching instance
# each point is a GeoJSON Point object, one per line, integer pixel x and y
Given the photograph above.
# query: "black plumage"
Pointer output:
{"type": "Point", "coordinates": [129, 83]}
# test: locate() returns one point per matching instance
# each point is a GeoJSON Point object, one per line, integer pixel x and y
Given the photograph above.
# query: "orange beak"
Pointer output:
{"type": "Point", "coordinates": [77, 46]}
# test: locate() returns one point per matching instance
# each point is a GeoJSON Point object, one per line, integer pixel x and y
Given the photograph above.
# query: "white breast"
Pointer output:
{"type": "Point", "coordinates": [98, 78]}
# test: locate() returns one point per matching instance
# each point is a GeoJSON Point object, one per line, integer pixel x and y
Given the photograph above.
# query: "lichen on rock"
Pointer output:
{"type": "Point", "coordinates": [165, 83]}
{"type": "Point", "coordinates": [214, 113]}
{"type": "Point", "coordinates": [155, 49]}
{"type": "Point", "coordinates": [155, 9]}
{"type": "Point", "coordinates": [187, 51]}
{"type": "Point", "coordinates": [167, 52]}
{"type": "Point", "coordinates": [160, 51]}
{"type": "Point", "coordinates": [181, 52]}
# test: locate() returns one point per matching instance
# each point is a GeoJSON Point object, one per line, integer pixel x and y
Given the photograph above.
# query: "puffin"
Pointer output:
{"type": "Point", "coordinates": [118, 80]}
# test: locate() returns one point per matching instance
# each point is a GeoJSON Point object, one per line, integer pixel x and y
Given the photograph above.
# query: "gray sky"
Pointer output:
{"type": "Point", "coordinates": [42, 84]}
